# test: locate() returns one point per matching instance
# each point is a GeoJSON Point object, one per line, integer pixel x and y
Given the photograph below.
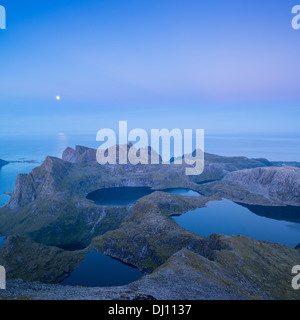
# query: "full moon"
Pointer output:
{"type": "Point", "coordinates": [57, 97]}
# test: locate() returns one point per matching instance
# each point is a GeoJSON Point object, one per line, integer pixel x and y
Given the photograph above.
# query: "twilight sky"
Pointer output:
{"type": "Point", "coordinates": [226, 66]}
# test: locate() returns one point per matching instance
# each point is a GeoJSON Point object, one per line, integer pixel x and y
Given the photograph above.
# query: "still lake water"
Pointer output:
{"type": "Point", "coordinates": [99, 270]}
{"type": "Point", "coordinates": [122, 196]}
{"type": "Point", "coordinates": [118, 196]}
{"type": "Point", "coordinates": [227, 217]}
{"type": "Point", "coordinates": [183, 192]}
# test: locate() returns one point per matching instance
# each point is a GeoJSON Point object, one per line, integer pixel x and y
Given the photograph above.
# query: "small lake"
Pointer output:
{"type": "Point", "coordinates": [122, 196]}
{"type": "Point", "coordinates": [275, 224]}
{"type": "Point", "coordinates": [118, 196]}
{"type": "Point", "coordinates": [99, 270]}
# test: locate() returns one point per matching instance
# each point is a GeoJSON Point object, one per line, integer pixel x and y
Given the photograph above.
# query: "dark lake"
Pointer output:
{"type": "Point", "coordinates": [99, 270]}
{"type": "Point", "coordinates": [275, 224]}
{"type": "Point", "coordinates": [125, 195]}
{"type": "Point", "coordinates": [71, 246]}
{"type": "Point", "coordinates": [118, 196]}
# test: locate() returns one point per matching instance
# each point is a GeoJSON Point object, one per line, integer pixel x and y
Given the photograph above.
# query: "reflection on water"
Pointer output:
{"type": "Point", "coordinates": [99, 270]}
{"type": "Point", "coordinates": [118, 196]}
{"type": "Point", "coordinates": [121, 196]}
{"type": "Point", "coordinates": [287, 213]}
{"type": "Point", "coordinates": [71, 246]}
{"type": "Point", "coordinates": [227, 217]}
{"type": "Point", "coordinates": [183, 192]}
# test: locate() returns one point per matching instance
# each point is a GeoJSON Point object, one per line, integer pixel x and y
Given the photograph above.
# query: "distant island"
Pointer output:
{"type": "Point", "coordinates": [4, 163]}
{"type": "Point", "coordinates": [286, 163]}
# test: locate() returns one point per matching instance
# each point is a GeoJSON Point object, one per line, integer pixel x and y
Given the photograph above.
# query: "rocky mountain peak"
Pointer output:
{"type": "Point", "coordinates": [278, 183]}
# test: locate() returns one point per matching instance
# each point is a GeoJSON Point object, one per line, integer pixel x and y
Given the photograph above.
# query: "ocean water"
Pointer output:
{"type": "Point", "coordinates": [271, 147]}
{"type": "Point", "coordinates": [37, 147]}
{"type": "Point", "coordinates": [227, 217]}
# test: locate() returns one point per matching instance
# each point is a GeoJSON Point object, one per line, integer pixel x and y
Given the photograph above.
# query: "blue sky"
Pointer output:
{"type": "Point", "coordinates": [230, 67]}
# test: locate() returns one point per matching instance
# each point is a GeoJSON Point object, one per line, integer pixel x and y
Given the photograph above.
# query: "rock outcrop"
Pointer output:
{"type": "Point", "coordinates": [281, 184]}
{"type": "Point", "coordinates": [149, 236]}
{"type": "Point", "coordinates": [216, 167]}
{"type": "Point", "coordinates": [80, 154]}
{"type": "Point", "coordinates": [84, 154]}
{"type": "Point", "coordinates": [79, 172]}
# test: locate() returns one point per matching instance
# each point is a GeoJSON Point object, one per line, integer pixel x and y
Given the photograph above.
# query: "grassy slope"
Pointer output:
{"type": "Point", "coordinates": [32, 261]}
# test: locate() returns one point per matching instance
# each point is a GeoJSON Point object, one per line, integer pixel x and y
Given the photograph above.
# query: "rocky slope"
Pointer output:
{"type": "Point", "coordinates": [149, 236]}
{"type": "Point", "coordinates": [228, 268]}
{"type": "Point", "coordinates": [49, 208]}
{"type": "Point", "coordinates": [23, 258]}
{"type": "Point", "coordinates": [216, 167]}
{"type": "Point", "coordinates": [49, 202]}
{"type": "Point", "coordinates": [80, 154]}
{"type": "Point", "coordinates": [281, 184]}
{"type": "Point", "coordinates": [84, 154]}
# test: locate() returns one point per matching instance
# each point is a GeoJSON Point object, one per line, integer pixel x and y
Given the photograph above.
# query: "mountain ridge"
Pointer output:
{"type": "Point", "coordinates": [50, 208]}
